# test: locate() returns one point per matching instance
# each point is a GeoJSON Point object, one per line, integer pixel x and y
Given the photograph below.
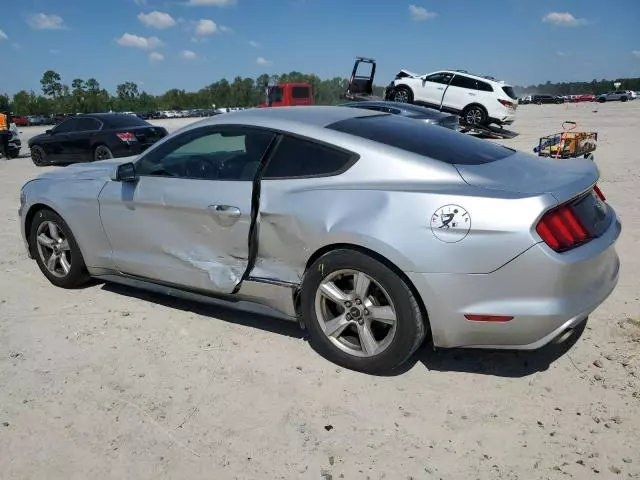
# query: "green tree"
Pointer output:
{"type": "Point", "coordinates": [51, 84]}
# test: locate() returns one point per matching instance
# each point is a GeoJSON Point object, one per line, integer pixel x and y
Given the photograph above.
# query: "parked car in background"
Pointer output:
{"type": "Point", "coordinates": [20, 120]}
{"type": "Point", "coordinates": [427, 115]}
{"type": "Point", "coordinates": [632, 95]}
{"type": "Point", "coordinates": [372, 230]}
{"type": "Point", "coordinates": [525, 100]}
{"type": "Point", "coordinates": [584, 97]}
{"type": "Point", "coordinates": [35, 120]}
{"type": "Point", "coordinates": [617, 95]}
{"type": "Point", "coordinates": [478, 100]}
{"type": "Point", "coordinates": [84, 138]}
{"type": "Point", "coordinates": [545, 99]}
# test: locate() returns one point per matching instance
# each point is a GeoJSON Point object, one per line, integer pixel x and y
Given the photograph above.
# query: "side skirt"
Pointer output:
{"type": "Point", "coordinates": [260, 296]}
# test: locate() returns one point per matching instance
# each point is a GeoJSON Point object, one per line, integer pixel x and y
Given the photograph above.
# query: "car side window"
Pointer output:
{"type": "Point", "coordinates": [208, 153]}
{"type": "Point", "coordinates": [441, 77]}
{"type": "Point", "coordinates": [70, 125]}
{"type": "Point", "coordinates": [295, 158]}
{"type": "Point", "coordinates": [464, 82]}
{"type": "Point", "coordinates": [88, 124]}
{"type": "Point", "coordinates": [485, 87]}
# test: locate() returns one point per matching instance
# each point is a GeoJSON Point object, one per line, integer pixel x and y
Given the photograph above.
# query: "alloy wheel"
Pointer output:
{"type": "Point", "coordinates": [401, 96]}
{"type": "Point", "coordinates": [474, 116]}
{"type": "Point", "coordinates": [53, 249]}
{"type": "Point", "coordinates": [355, 313]}
{"type": "Point", "coordinates": [103, 153]}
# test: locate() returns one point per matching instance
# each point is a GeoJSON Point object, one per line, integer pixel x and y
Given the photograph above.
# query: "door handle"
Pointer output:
{"type": "Point", "coordinates": [440, 88]}
{"type": "Point", "coordinates": [226, 211]}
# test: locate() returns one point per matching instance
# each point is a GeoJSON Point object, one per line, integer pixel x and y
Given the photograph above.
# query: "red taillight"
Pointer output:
{"type": "Point", "coordinates": [507, 103]}
{"type": "Point", "coordinates": [561, 229]}
{"type": "Point", "coordinates": [127, 137]}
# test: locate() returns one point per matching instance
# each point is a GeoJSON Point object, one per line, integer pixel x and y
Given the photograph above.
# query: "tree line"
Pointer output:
{"type": "Point", "coordinates": [83, 96]}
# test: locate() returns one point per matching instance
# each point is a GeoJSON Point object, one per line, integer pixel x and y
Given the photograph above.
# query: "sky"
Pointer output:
{"type": "Point", "coordinates": [188, 44]}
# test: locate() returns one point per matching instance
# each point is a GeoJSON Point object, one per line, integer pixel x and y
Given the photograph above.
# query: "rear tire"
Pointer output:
{"type": "Point", "coordinates": [56, 251]}
{"type": "Point", "coordinates": [376, 320]}
{"type": "Point", "coordinates": [624, 99]}
{"type": "Point", "coordinates": [402, 94]}
{"type": "Point", "coordinates": [102, 152]}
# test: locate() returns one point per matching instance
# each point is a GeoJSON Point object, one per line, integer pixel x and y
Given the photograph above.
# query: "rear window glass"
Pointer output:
{"type": "Point", "coordinates": [300, 92]}
{"type": "Point", "coordinates": [432, 141]}
{"type": "Point", "coordinates": [124, 120]}
{"type": "Point", "coordinates": [509, 91]}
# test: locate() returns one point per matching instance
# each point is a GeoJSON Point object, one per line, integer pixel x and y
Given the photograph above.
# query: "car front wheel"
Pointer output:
{"type": "Point", "coordinates": [55, 249]}
{"type": "Point", "coordinates": [360, 314]}
{"type": "Point", "coordinates": [402, 94]}
{"type": "Point", "coordinates": [39, 156]}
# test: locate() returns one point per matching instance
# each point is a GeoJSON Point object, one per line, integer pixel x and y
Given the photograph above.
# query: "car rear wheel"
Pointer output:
{"type": "Point", "coordinates": [623, 99]}
{"type": "Point", "coordinates": [55, 249]}
{"type": "Point", "coordinates": [102, 152]}
{"type": "Point", "coordinates": [39, 156]}
{"type": "Point", "coordinates": [359, 313]}
{"type": "Point", "coordinates": [402, 94]}
{"type": "Point", "coordinates": [474, 115]}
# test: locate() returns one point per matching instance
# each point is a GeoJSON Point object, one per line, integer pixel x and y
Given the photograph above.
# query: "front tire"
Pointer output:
{"type": "Point", "coordinates": [359, 313]}
{"type": "Point", "coordinates": [624, 99]}
{"type": "Point", "coordinates": [474, 115]}
{"type": "Point", "coordinates": [402, 94]}
{"type": "Point", "coordinates": [56, 251]}
{"type": "Point", "coordinates": [39, 156]}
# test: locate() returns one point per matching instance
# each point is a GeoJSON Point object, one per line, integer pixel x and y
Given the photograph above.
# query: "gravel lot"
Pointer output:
{"type": "Point", "coordinates": [114, 383]}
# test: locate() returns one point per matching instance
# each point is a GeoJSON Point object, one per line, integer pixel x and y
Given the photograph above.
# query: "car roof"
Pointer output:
{"type": "Point", "coordinates": [312, 115]}
{"type": "Point", "coordinates": [407, 107]}
{"type": "Point", "coordinates": [477, 77]}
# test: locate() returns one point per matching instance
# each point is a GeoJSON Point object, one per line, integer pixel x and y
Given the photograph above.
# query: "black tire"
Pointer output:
{"type": "Point", "coordinates": [77, 274]}
{"type": "Point", "coordinates": [39, 156]}
{"type": "Point", "coordinates": [102, 152]}
{"type": "Point", "coordinates": [410, 324]}
{"type": "Point", "coordinates": [402, 94]}
{"type": "Point", "coordinates": [474, 115]}
{"type": "Point", "coordinates": [602, 100]}
{"type": "Point", "coordinates": [624, 99]}
{"type": "Point", "coordinates": [14, 153]}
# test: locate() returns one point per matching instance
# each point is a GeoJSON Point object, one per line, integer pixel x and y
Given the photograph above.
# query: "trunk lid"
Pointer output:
{"type": "Point", "coordinates": [531, 175]}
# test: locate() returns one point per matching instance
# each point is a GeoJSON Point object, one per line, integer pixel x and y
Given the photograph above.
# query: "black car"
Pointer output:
{"type": "Point", "coordinates": [417, 112]}
{"type": "Point", "coordinates": [540, 99]}
{"type": "Point", "coordinates": [99, 136]}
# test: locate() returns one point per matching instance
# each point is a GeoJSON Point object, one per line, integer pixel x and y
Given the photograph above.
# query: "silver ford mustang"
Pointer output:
{"type": "Point", "coordinates": [372, 230]}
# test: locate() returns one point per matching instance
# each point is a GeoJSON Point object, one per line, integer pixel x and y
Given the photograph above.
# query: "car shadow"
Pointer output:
{"type": "Point", "coordinates": [216, 312]}
{"type": "Point", "coordinates": [498, 363]}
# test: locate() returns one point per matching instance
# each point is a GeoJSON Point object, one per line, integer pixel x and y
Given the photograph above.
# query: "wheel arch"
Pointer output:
{"type": "Point", "coordinates": [476, 104]}
{"type": "Point", "coordinates": [376, 256]}
{"type": "Point", "coordinates": [30, 215]}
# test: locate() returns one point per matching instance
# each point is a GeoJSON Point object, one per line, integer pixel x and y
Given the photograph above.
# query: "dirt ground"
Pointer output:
{"type": "Point", "coordinates": [113, 383]}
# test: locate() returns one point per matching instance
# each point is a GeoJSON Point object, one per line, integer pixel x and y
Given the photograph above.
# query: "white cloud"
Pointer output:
{"type": "Point", "coordinates": [42, 21]}
{"type": "Point", "coordinates": [213, 3]}
{"type": "Point", "coordinates": [3, 36]}
{"type": "Point", "coordinates": [188, 55]}
{"type": "Point", "coordinates": [155, 19]}
{"type": "Point", "coordinates": [263, 62]}
{"type": "Point", "coordinates": [146, 43]}
{"type": "Point", "coordinates": [563, 54]}
{"type": "Point", "coordinates": [206, 27]}
{"type": "Point", "coordinates": [420, 13]}
{"type": "Point", "coordinates": [636, 53]}
{"type": "Point", "coordinates": [224, 29]}
{"type": "Point", "coordinates": [156, 57]}
{"type": "Point", "coordinates": [563, 19]}
{"type": "Point", "coordinates": [254, 44]}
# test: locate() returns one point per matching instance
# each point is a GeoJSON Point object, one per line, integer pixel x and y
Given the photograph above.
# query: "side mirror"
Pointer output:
{"type": "Point", "coordinates": [49, 131]}
{"type": "Point", "coordinates": [125, 173]}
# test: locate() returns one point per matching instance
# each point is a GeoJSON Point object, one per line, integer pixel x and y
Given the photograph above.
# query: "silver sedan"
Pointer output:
{"type": "Point", "coordinates": [372, 230]}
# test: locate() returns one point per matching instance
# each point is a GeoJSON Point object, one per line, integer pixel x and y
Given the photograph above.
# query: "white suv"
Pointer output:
{"type": "Point", "coordinates": [478, 100]}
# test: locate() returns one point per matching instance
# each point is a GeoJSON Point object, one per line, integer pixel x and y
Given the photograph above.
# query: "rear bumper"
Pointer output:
{"type": "Point", "coordinates": [546, 293]}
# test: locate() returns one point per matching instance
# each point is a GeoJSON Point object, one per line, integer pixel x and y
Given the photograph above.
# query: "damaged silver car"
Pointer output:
{"type": "Point", "coordinates": [372, 230]}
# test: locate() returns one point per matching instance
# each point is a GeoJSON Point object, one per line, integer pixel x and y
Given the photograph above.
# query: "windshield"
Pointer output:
{"type": "Point", "coordinates": [431, 141]}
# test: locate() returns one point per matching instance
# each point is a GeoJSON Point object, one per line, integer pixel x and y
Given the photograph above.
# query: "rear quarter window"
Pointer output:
{"type": "Point", "coordinates": [431, 141]}
{"type": "Point", "coordinates": [298, 158]}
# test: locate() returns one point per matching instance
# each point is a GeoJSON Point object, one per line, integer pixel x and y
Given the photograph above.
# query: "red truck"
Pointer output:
{"type": "Point", "coordinates": [288, 94]}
